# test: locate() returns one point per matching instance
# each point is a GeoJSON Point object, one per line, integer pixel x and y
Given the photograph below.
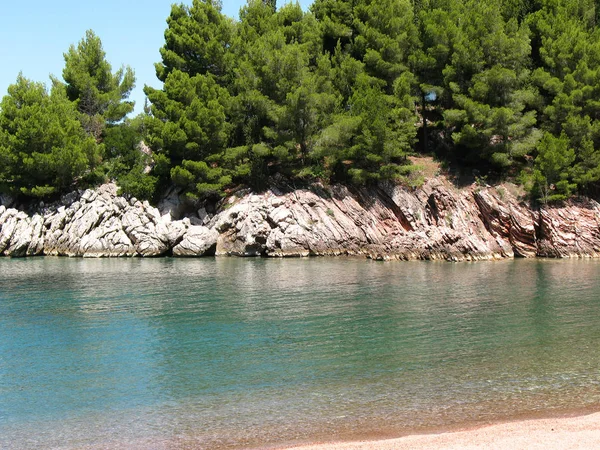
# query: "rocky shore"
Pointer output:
{"type": "Point", "coordinates": [436, 221]}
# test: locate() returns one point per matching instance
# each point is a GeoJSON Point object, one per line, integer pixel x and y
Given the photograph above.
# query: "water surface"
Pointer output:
{"type": "Point", "coordinates": [238, 353]}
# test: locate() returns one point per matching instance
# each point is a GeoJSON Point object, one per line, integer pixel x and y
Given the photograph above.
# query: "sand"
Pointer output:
{"type": "Point", "coordinates": [582, 432]}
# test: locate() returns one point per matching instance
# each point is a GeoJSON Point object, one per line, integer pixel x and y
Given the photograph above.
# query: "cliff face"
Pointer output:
{"type": "Point", "coordinates": [437, 221]}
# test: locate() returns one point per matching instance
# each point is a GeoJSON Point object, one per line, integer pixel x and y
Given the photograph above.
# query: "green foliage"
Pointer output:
{"type": "Point", "coordinates": [344, 92]}
{"type": "Point", "coordinates": [476, 63]}
{"type": "Point", "coordinates": [189, 119]}
{"type": "Point", "coordinates": [50, 142]}
{"type": "Point", "coordinates": [43, 147]}
{"type": "Point", "coordinates": [189, 124]}
{"type": "Point", "coordinates": [100, 95]}
{"type": "Point", "coordinates": [280, 98]}
{"type": "Point", "coordinates": [200, 179]}
{"type": "Point", "coordinates": [122, 144]}
{"type": "Point", "coordinates": [371, 142]}
{"type": "Point", "coordinates": [551, 174]}
{"type": "Point", "coordinates": [386, 36]}
{"type": "Point", "coordinates": [197, 40]}
{"type": "Point", "coordinates": [127, 161]}
{"type": "Point", "coordinates": [137, 183]}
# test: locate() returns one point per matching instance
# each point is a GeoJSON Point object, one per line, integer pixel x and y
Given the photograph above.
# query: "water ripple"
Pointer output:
{"type": "Point", "coordinates": [228, 353]}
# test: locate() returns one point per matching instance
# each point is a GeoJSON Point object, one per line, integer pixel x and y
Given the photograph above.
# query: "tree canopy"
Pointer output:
{"type": "Point", "coordinates": [343, 92]}
{"type": "Point", "coordinates": [272, 94]}
{"type": "Point", "coordinates": [52, 141]}
{"type": "Point", "coordinates": [43, 147]}
{"type": "Point", "coordinates": [100, 95]}
{"type": "Point", "coordinates": [346, 91]}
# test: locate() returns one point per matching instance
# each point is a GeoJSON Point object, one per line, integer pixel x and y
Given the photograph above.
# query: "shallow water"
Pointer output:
{"type": "Point", "coordinates": [227, 353]}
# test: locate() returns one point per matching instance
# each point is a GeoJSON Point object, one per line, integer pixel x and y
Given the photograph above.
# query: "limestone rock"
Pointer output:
{"type": "Point", "coordinates": [243, 228]}
{"type": "Point", "coordinates": [508, 221]}
{"type": "Point", "coordinates": [572, 230]}
{"type": "Point", "coordinates": [5, 200]}
{"type": "Point", "coordinates": [197, 241]}
{"type": "Point", "coordinates": [170, 204]}
{"type": "Point", "coordinates": [436, 221]}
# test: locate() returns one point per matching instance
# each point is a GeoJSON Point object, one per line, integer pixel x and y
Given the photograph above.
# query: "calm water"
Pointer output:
{"type": "Point", "coordinates": [227, 353]}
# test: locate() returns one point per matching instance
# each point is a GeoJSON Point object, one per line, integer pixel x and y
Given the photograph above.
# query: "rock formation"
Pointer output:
{"type": "Point", "coordinates": [436, 221]}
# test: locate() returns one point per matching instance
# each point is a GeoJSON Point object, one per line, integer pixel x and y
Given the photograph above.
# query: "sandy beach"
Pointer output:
{"type": "Point", "coordinates": [581, 432]}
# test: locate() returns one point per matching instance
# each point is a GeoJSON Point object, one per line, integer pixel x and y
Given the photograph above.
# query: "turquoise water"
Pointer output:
{"type": "Point", "coordinates": [244, 353]}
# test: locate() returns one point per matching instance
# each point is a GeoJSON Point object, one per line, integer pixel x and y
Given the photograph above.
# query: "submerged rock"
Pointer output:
{"type": "Point", "coordinates": [437, 221]}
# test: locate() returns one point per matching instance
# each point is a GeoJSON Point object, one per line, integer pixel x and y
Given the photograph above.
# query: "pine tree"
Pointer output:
{"type": "Point", "coordinates": [197, 41]}
{"type": "Point", "coordinates": [99, 94]}
{"type": "Point", "coordinates": [43, 147]}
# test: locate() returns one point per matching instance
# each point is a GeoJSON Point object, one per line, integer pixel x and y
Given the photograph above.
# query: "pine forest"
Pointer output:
{"type": "Point", "coordinates": [344, 93]}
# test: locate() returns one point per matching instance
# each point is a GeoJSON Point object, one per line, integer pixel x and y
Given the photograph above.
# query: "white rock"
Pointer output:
{"type": "Point", "coordinates": [197, 241]}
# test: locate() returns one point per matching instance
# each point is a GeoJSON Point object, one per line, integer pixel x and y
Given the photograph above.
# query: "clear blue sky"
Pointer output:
{"type": "Point", "coordinates": [35, 34]}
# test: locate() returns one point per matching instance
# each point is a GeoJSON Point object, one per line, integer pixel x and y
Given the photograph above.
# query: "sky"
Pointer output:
{"type": "Point", "coordinates": [34, 35]}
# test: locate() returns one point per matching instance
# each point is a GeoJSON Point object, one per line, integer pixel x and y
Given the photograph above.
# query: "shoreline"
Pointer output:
{"type": "Point", "coordinates": [438, 221]}
{"type": "Point", "coordinates": [578, 429]}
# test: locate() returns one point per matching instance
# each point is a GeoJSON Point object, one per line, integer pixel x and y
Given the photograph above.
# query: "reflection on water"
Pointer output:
{"type": "Point", "coordinates": [223, 353]}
